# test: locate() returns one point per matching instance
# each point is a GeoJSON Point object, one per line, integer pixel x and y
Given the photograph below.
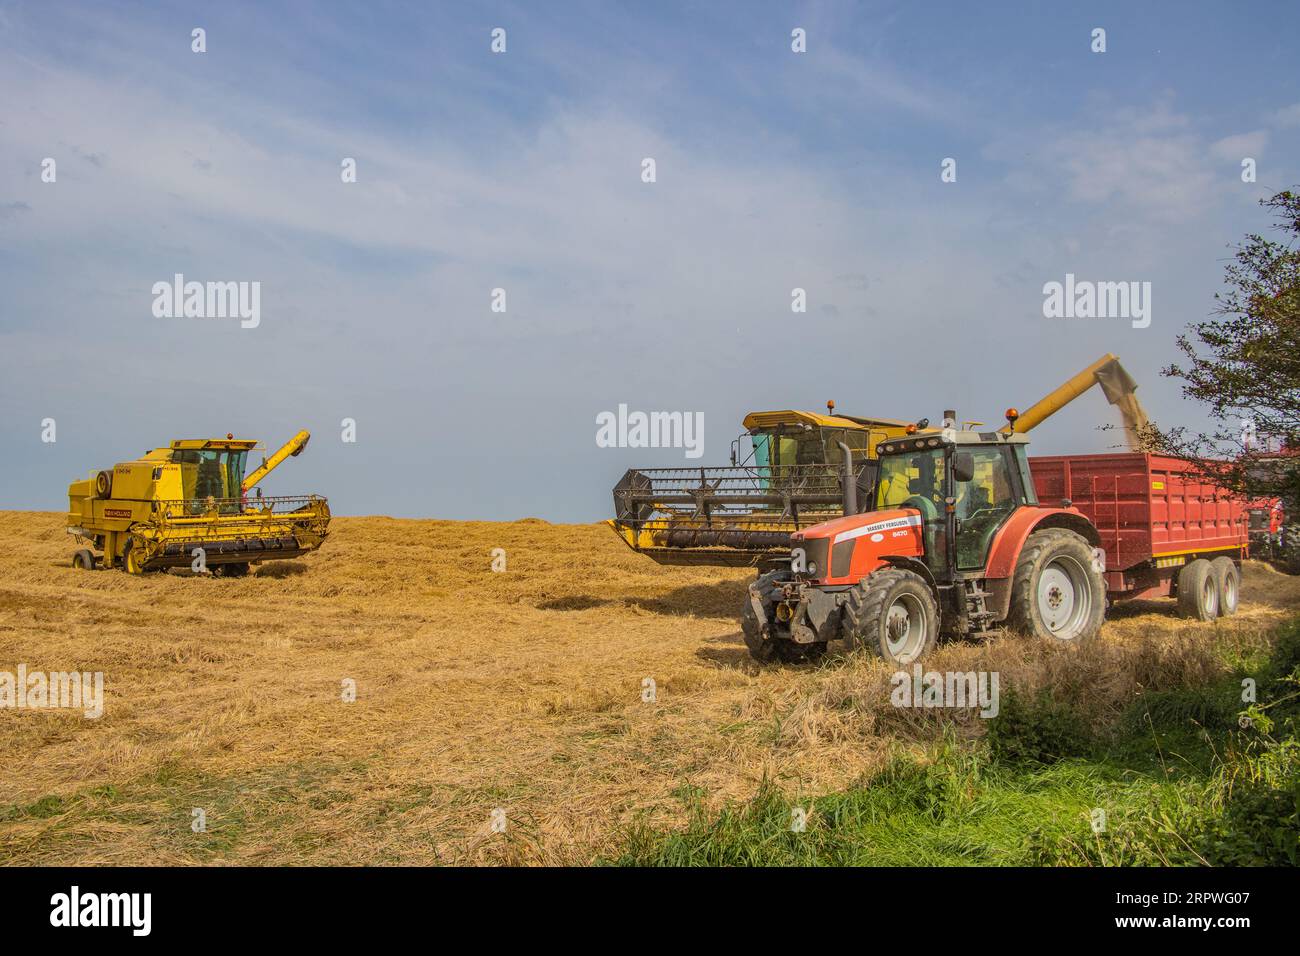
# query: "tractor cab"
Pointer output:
{"type": "Point", "coordinates": [965, 484]}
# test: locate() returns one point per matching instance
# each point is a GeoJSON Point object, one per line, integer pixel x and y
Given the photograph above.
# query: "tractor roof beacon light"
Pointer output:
{"type": "Point", "coordinates": [1012, 415]}
{"type": "Point", "coordinates": [830, 406]}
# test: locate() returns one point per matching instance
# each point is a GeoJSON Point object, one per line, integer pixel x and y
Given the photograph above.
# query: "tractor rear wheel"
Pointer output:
{"type": "Point", "coordinates": [893, 614]}
{"type": "Point", "coordinates": [1198, 591]}
{"type": "Point", "coordinates": [1227, 579]}
{"type": "Point", "coordinates": [763, 634]}
{"type": "Point", "coordinates": [1057, 592]}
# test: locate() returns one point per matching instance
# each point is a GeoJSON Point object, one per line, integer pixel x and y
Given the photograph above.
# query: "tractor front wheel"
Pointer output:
{"type": "Point", "coordinates": [893, 614]}
{"type": "Point", "coordinates": [1057, 593]}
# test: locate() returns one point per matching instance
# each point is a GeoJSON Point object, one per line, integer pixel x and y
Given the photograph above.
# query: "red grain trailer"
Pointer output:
{"type": "Point", "coordinates": [1165, 529]}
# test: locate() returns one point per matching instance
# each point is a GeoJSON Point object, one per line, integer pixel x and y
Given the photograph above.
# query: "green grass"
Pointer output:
{"type": "Point", "coordinates": [1179, 781]}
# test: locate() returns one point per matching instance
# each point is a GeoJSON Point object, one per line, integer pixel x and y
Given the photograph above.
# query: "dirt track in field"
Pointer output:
{"type": "Point", "coordinates": [476, 691]}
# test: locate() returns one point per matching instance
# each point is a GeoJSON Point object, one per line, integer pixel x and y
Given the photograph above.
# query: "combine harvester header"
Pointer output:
{"type": "Point", "coordinates": [744, 515]}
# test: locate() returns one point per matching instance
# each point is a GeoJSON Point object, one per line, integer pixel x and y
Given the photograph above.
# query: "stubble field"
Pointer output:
{"type": "Point", "coordinates": [519, 691]}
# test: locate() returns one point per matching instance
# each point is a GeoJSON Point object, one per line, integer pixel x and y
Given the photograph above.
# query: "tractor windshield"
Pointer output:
{"type": "Point", "coordinates": [906, 476]}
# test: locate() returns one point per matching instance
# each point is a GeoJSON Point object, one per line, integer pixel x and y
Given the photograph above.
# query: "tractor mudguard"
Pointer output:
{"type": "Point", "coordinates": [1004, 552]}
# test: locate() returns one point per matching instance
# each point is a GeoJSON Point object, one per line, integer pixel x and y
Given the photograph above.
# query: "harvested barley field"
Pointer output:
{"type": "Point", "coordinates": [475, 690]}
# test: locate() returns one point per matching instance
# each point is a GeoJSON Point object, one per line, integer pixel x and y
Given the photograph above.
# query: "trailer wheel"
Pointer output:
{"type": "Point", "coordinates": [1227, 580]}
{"type": "Point", "coordinates": [893, 614]}
{"type": "Point", "coordinates": [1198, 591]}
{"type": "Point", "coordinates": [84, 559]}
{"type": "Point", "coordinates": [1057, 593]}
{"type": "Point", "coordinates": [1286, 556]}
{"type": "Point", "coordinates": [763, 634]}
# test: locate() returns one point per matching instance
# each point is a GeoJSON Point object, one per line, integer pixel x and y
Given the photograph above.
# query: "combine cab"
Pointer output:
{"type": "Point", "coordinates": [190, 500]}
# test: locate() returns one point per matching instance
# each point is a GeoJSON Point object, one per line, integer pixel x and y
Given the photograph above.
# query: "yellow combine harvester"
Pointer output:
{"type": "Point", "coordinates": [189, 503]}
{"type": "Point", "coordinates": [744, 514]}
{"type": "Point", "coordinates": [736, 515]}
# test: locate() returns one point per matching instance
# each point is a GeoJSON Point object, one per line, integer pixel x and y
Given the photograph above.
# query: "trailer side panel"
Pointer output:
{"type": "Point", "coordinates": [1153, 513]}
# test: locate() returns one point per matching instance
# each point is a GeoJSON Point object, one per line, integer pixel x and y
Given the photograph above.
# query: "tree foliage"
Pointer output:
{"type": "Point", "coordinates": [1245, 365]}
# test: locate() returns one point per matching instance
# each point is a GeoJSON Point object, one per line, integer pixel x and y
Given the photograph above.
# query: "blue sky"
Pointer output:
{"type": "Point", "coordinates": [522, 171]}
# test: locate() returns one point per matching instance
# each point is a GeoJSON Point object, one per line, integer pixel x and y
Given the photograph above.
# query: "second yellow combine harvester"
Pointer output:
{"type": "Point", "coordinates": [744, 514]}
{"type": "Point", "coordinates": [187, 505]}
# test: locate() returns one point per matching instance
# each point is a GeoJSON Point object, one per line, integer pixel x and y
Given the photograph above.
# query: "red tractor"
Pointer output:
{"type": "Point", "coordinates": [956, 541]}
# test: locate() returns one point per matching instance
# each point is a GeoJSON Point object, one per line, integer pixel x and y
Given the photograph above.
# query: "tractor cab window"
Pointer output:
{"type": "Point", "coordinates": [909, 476]}
{"type": "Point", "coordinates": [916, 481]}
{"type": "Point", "coordinates": [984, 503]}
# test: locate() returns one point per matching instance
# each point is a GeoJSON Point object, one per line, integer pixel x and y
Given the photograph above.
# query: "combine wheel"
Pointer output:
{"type": "Point", "coordinates": [1198, 591]}
{"type": "Point", "coordinates": [893, 614]}
{"type": "Point", "coordinates": [236, 569]}
{"type": "Point", "coordinates": [1228, 581]}
{"type": "Point", "coordinates": [133, 556]}
{"type": "Point", "coordinates": [1056, 592]}
{"type": "Point", "coordinates": [84, 559]}
{"type": "Point", "coordinates": [764, 636]}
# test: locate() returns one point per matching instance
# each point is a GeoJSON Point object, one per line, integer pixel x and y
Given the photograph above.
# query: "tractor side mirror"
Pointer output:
{"type": "Point", "coordinates": [963, 466]}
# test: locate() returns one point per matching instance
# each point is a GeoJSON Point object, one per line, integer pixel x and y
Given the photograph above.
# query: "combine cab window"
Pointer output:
{"type": "Point", "coordinates": [784, 447]}
{"type": "Point", "coordinates": [856, 440]}
{"type": "Point", "coordinates": [210, 473]}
